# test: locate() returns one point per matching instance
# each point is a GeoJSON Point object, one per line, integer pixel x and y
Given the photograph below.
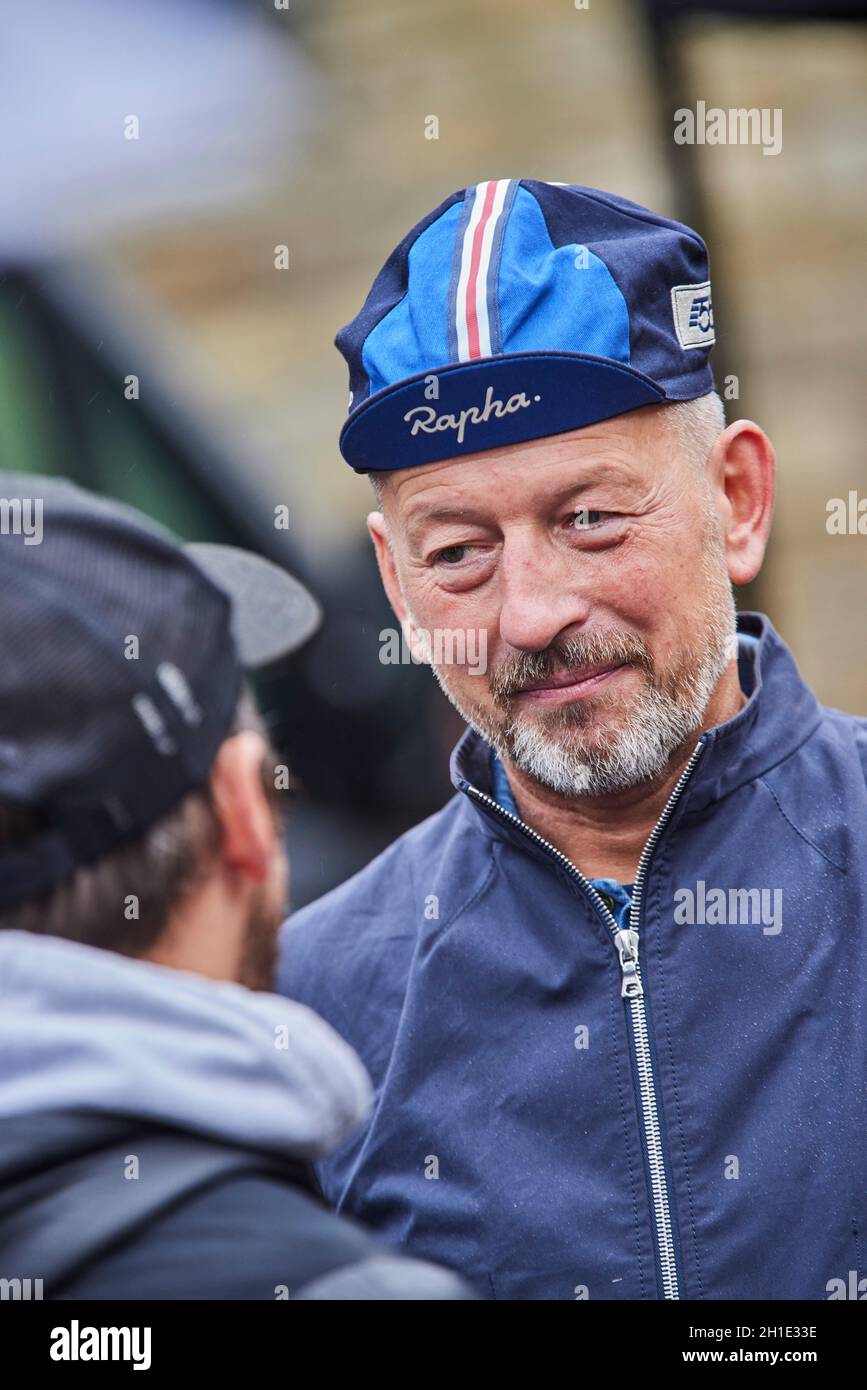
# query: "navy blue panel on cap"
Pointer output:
{"type": "Point", "coordinates": [489, 404]}
{"type": "Point", "coordinates": [579, 303]}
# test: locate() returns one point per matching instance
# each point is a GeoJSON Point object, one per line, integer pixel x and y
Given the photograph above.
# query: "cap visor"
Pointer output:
{"type": "Point", "coordinates": [487, 404]}
{"type": "Point", "coordinates": [272, 613]}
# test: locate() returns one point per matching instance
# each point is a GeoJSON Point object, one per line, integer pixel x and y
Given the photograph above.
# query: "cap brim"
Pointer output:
{"type": "Point", "coordinates": [272, 613]}
{"type": "Point", "coordinates": [488, 403]}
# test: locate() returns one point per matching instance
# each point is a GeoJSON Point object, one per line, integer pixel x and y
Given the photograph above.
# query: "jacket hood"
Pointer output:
{"type": "Point", "coordinates": [87, 1032]}
{"type": "Point", "coordinates": [780, 713]}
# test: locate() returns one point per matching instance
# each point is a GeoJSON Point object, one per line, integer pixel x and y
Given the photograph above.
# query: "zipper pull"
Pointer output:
{"type": "Point", "coordinates": [627, 949]}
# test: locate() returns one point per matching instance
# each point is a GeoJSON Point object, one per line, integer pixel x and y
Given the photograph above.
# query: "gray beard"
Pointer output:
{"type": "Point", "coordinates": [554, 751]}
{"type": "Point", "coordinates": [656, 726]}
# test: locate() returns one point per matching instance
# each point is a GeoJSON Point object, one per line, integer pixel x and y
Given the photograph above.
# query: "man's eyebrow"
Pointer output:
{"type": "Point", "coordinates": [418, 520]}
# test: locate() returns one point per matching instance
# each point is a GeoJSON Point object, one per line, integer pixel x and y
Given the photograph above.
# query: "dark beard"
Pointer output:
{"type": "Point", "coordinates": [259, 952]}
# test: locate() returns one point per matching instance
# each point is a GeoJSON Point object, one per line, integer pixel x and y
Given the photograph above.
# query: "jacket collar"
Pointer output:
{"type": "Point", "coordinates": [780, 714]}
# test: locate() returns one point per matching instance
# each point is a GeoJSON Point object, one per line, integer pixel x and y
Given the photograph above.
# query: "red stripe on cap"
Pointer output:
{"type": "Point", "coordinates": [472, 319]}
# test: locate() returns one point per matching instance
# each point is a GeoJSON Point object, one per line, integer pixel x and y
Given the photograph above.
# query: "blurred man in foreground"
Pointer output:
{"type": "Point", "coordinates": [613, 997]}
{"type": "Point", "coordinates": [157, 1117]}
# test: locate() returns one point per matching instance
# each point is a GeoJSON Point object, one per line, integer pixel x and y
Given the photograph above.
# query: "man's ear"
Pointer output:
{"type": "Point", "coordinates": [250, 835]}
{"type": "Point", "coordinates": [385, 559]}
{"type": "Point", "coordinates": [742, 468]}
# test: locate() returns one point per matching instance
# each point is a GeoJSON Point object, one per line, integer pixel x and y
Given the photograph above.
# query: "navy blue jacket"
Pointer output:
{"type": "Point", "coordinates": [556, 1122]}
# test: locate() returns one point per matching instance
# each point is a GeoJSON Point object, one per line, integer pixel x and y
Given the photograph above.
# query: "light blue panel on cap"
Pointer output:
{"type": "Point", "coordinates": [413, 335]}
{"type": "Point", "coordinates": [550, 303]}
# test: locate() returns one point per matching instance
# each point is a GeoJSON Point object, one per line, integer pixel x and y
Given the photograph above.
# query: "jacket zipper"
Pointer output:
{"type": "Point", "coordinates": [632, 990]}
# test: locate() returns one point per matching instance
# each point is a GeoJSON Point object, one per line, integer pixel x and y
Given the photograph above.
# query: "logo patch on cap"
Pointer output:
{"type": "Point", "coordinates": [692, 308]}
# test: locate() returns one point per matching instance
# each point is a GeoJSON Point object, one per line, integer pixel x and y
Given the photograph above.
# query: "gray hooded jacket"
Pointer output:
{"type": "Point", "coordinates": [156, 1133]}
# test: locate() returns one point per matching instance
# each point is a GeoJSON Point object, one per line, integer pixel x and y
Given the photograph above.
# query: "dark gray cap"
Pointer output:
{"type": "Point", "coordinates": [122, 659]}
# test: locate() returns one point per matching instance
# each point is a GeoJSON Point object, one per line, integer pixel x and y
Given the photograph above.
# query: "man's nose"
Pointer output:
{"type": "Point", "coordinates": [541, 595]}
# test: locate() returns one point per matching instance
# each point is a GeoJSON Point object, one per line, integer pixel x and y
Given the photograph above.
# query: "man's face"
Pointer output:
{"type": "Point", "coordinates": [591, 565]}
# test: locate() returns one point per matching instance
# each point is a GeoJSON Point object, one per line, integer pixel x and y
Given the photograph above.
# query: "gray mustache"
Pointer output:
{"type": "Point", "coordinates": [511, 676]}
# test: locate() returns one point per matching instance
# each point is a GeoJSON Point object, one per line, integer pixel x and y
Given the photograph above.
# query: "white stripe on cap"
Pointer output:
{"type": "Point", "coordinates": [471, 301]}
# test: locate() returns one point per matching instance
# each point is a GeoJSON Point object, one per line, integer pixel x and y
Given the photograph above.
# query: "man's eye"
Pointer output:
{"type": "Point", "coordinates": [452, 555]}
{"type": "Point", "coordinates": [584, 519]}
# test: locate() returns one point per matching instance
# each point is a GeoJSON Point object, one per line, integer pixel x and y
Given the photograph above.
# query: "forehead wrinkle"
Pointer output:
{"type": "Point", "coordinates": [624, 450]}
{"type": "Point", "coordinates": [633, 436]}
{"type": "Point", "coordinates": [582, 476]}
